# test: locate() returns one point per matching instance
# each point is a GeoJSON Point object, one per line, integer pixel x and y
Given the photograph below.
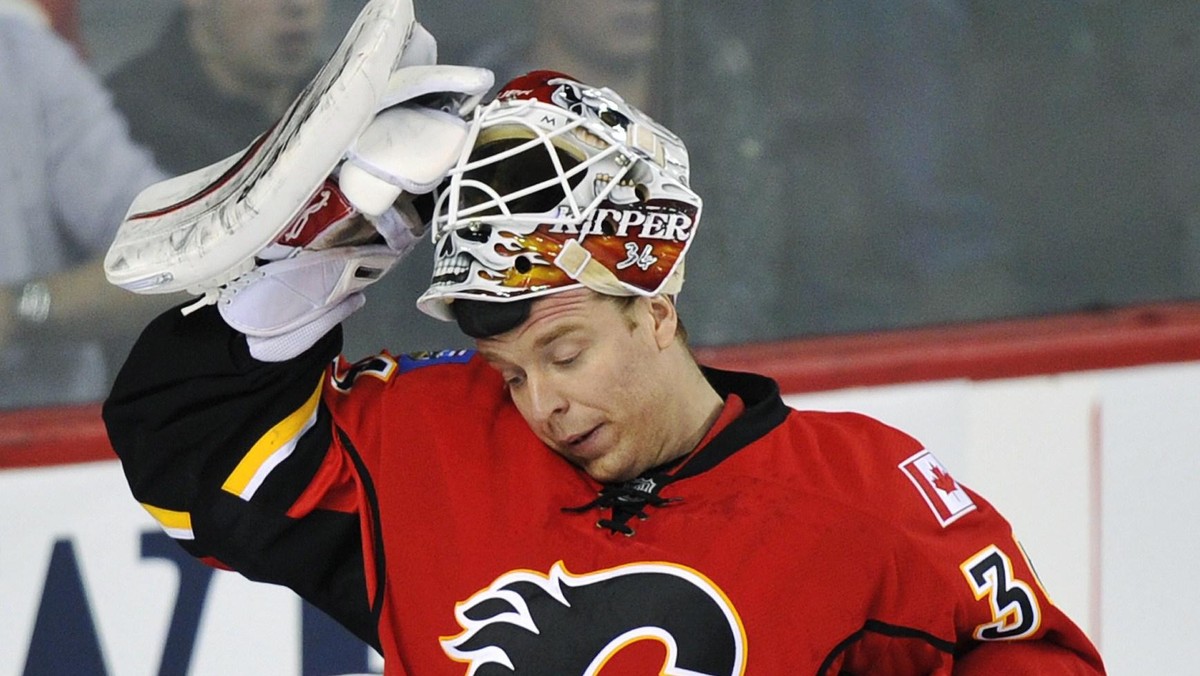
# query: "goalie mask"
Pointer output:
{"type": "Point", "coordinates": [561, 185]}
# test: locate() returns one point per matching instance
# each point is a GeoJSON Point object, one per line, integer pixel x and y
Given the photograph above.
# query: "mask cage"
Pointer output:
{"type": "Point", "coordinates": [555, 157]}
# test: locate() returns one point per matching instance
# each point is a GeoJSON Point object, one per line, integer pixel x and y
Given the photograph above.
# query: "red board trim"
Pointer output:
{"type": "Point", "coordinates": [38, 437]}
{"type": "Point", "coordinates": [1008, 349]}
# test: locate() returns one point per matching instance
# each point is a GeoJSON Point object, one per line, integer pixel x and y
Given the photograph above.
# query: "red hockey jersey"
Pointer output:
{"type": "Point", "coordinates": [407, 497]}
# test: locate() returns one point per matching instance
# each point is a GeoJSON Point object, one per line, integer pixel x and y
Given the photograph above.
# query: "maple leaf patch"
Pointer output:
{"type": "Point", "coordinates": [944, 496]}
{"type": "Point", "coordinates": [943, 482]}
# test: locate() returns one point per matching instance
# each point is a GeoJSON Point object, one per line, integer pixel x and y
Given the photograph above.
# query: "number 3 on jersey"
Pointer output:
{"type": "Point", "coordinates": [1014, 606]}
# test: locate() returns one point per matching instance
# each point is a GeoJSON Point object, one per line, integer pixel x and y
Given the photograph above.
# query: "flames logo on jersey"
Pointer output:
{"type": "Point", "coordinates": [532, 623]}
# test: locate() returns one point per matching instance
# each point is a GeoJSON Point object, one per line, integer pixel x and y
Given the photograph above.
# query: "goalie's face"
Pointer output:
{"type": "Point", "coordinates": [595, 379]}
{"type": "Point", "coordinates": [614, 33]}
{"type": "Point", "coordinates": [259, 41]}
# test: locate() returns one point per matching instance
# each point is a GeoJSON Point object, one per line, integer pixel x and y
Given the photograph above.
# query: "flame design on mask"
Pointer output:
{"type": "Point", "coordinates": [540, 274]}
{"type": "Point", "coordinates": [542, 246]}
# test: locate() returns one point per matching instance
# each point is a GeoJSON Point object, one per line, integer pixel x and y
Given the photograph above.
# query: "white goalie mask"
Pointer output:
{"type": "Point", "coordinates": [561, 185]}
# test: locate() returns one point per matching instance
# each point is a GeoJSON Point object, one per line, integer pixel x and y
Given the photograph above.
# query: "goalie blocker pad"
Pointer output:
{"type": "Point", "coordinates": [202, 229]}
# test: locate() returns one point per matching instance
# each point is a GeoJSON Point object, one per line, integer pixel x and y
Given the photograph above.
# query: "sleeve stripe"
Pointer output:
{"type": "Point", "coordinates": [272, 448]}
{"type": "Point", "coordinates": [178, 525]}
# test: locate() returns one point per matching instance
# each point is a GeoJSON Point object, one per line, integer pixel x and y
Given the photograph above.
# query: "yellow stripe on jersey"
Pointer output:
{"type": "Point", "coordinates": [176, 524]}
{"type": "Point", "coordinates": [271, 449]}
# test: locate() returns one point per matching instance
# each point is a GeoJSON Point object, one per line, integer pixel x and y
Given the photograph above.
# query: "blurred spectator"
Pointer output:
{"type": "Point", "coordinates": [606, 41]}
{"type": "Point", "coordinates": [833, 144]}
{"type": "Point", "coordinates": [695, 72]}
{"type": "Point", "coordinates": [68, 172]}
{"type": "Point", "coordinates": [221, 73]}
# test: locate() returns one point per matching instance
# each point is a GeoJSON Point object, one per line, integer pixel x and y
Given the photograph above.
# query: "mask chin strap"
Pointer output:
{"type": "Point", "coordinates": [579, 265]}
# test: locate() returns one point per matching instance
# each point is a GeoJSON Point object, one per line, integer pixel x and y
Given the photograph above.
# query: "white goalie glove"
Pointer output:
{"type": "Point", "coordinates": [285, 235]}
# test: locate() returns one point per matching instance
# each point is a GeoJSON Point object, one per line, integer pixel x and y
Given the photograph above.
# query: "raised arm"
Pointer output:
{"type": "Point", "coordinates": [218, 415]}
{"type": "Point", "coordinates": [224, 451]}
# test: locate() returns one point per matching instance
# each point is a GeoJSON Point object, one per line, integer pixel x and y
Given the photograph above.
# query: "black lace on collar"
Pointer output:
{"type": "Point", "coordinates": [627, 500]}
{"type": "Point", "coordinates": [765, 410]}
